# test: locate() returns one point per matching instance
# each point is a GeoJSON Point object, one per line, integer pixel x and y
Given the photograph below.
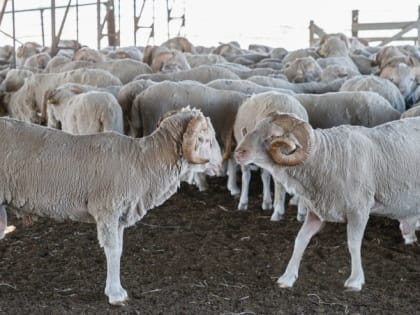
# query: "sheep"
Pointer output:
{"type": "Point", "coordinates": [6, 54]}
{"type": "Point", "coordinates": [221, 106]}
{"type": "Point", "coordinates": [25, 51]}
{"type": "Point", "coordinates": [244, 86]}
{"type": "Point", "coordinates": [56, 63]}
{"type": "Point", "coordinates": [88, 54]}
{"type": "Point", "coordinates": [278, 53]}
{"type": "Point", "coordinates": [203, 74]}
{"type": "Point", "coordinates": [249, 113]}
{"type": "Point", "coordinates": [77, 112]}
{"type": "Point", "coordinates": [26, 103]}
{"type": "Point", "coordinates": [365, 64]}
{"type": "Point", "coordinates": [108, 179]}
{"type": "Point", "coordinates": [124, 69]}
{"type": "Point", "coordinates": [37, 62]}
{"type": "Point", "coordinates": [195, 60]}
{"type": "Point", "coordinates": [299, 53]}
{"type": "Point", "coordinates": [179, 43]}
{"type": "Point", "coordinates": [130, 52]}
{"type": "Point", "coordinates": [14, 80]}
{"type": "Point", "coordinates": [126, 96]}
{"type": "Point", "coordinates": [306, 87]}
{"type": "Point", "coordinates": [245, 72]}
{"type": "Point", "coordinates": [271, 63]}
{"type": "Point", "coordinates": [412, 112]}
{"type": "Point", "coordinates": [151, 51]}
{"type": "Point", "coordinates": [355, 108]}
{"type": "Point", "coordinates": [169, 61]}
{"type": "Point", "coordinates": [333, 72]}
{"type": "Point", "coordinates": [334, 49]}
{"type": "Point", "coordinates": [304, 69]}
{"type": "Point", "coordinates": [342, 174]}
{"type": "Point", "coordinates": [406, 77]}
{"type": "Point", "coordinates": [376, 84]}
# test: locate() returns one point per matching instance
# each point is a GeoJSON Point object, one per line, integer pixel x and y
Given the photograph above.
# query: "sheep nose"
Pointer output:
{"type": "Point", "coordinates": [240, 154]}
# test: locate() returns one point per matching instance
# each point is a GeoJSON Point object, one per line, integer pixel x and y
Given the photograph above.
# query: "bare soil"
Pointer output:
{"type": "Point", "coordinates": [197, 254]}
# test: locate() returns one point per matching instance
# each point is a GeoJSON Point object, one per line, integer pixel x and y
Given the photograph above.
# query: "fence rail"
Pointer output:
{"type": "Point", "coordinates": [315, 32]}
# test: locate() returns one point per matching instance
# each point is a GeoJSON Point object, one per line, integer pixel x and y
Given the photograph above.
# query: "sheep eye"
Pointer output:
{"type": "Point", "coordinates": [200, 139]}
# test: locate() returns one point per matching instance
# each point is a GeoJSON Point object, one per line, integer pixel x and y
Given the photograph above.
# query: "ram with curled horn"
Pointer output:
{"type": "Point", "coordinates": [342, 174]}
{"type": "Point", "coordinates": [297, 141]}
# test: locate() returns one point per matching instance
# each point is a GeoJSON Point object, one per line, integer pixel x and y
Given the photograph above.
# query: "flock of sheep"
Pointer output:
{"type": "Point", "coordinates": [323, 122]}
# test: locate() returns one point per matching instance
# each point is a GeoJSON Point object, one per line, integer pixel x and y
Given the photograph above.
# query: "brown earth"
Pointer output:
{"type": "Point", "coordinates": [197, 255]}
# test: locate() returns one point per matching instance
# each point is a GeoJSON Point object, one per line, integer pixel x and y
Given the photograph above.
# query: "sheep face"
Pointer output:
{"type": "Point", "coordinates": [403, 76]}
{"type": "Point", "coordinates": [281, 139]}
{"type": "Point", "coordinates": [200, 147]}
{"type": "Point", "coordinates": [303, 70]}
{"type": "Point", "coordinates": [254, 146]}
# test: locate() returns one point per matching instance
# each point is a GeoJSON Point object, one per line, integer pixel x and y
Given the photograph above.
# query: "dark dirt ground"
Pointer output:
{"type": "Point", "coordinates": [197, 255]}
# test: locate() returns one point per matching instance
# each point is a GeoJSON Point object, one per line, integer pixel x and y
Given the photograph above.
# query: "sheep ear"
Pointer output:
{"type": "Point", "coordinates": [76, 89]}
{"type": "Point", "coordinates": [244, 132]}
{"type": "Point", "coordinates": [413, 61]}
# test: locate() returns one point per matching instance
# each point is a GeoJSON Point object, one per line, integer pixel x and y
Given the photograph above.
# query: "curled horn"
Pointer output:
{"type": "Point", "coordinates": [300, 151]}
{"type": "Point", "coordinates": [189, 142]}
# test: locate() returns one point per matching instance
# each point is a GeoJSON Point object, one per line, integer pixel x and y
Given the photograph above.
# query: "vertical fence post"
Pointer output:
{"type": "Point", "coordinates": [311, 33]}
{"type": "Point", "coordinates": [418, 26]}
{"type": "Point", "coordinates": [354, 22]}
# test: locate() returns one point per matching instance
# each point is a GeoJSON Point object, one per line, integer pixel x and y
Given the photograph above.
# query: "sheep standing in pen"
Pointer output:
{"type": "Point", "coordinates": [27, 103]}
{"type": "Point", "coordinates": [221, 106]}
{"type": "Point", "coordinates": [108, 179]}
{"type": "Point", "coordinates": [249, 113]}
{"type": "Point", "coordinates": [379, 85]}
{"type": "Point", "coordinates": [78, 111]}
{"type": "Point", "coordinates": [342, 174]}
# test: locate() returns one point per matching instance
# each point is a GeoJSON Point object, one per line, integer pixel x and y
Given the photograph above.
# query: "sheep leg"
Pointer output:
{"type": "Point", "coordinates": [309, 228]}
{"type": "Point", "coordinates": [246, 177]}
{"type": "Point", "coordinates": [279, 200]}
{"type": "Point", "coordinates": [232, 184]}
{"type": "Point", "coordinates": [267, 203]}
{"type": "Point", "coordinates": [356, 224]}
{"type": "Point", "coordinates": [111, 239]}
{"type": "Point", "coordinates": [200, 181]}
{"type": "Point", "coordinates": [301, 210]}
{"type": "Point", "coordinates": [3, 221]}
{"type": "Point", "coordinates": [408, 230]}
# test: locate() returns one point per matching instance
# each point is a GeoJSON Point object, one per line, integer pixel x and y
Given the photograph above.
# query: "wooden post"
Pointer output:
{"type": "Point", "coordinates": [112, 35]}
{"type": "Point", "coordinates": [418, 26]}
{"type": "Point", "coordinates": [311, 33]}
{"type": "Point", "coordinates": [354, 21]}
{"type": "Point", "coordinates": [98, 23]}
{"type": "Point", "coordinates": [53, 43]}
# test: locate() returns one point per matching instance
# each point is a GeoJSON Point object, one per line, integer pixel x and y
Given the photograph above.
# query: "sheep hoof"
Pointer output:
{"type": "Point", "coordinates": [276, 217]}
{"type": "Point", "coordinates": [353, 285]}
{"type": "Point", "coordinates": [301, 217]}
{"type": "Point", "coordinates": [118, 298]}
{"type": "Point", "coordinates": [234, 191]}
{"type": "Point", "coordinates": [410, 239]}
{"type": "Point", "coordinates": [267, 205]}
{"type": "Point", "coordinates": [243, 206]}
{"type": "Point", "coordinates": [286, 281]}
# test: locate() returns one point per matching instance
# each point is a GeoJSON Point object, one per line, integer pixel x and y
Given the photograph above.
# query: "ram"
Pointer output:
{"type": "Point", "coordinates": [108, 179]}
{"type": "Point", "coordinates": [342, 174]}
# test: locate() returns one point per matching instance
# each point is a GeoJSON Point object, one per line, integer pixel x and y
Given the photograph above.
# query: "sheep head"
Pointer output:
{"type": "Point", "coordinates": [192, 139]}
{"type": "Point", "coordinates": [295, 145]}
{"type": "Point", "coordinates": [281, 138]}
